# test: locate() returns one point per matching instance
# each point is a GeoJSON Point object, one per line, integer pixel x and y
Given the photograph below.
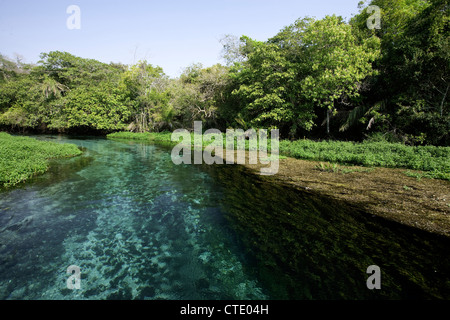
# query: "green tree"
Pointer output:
{"type": "Point", "coordinates": [147, 86]}
{"type": "Point", "coordinates": [411, 95]}
{"type": "Point", "coordinates": [65, 92]}
{"type": "Point", "coordinates": [308, 66]}
{"type": "Point", "coordinates": [423, 106]}
{"type": "Point", "coordinates": [269, 90]}
{"type": "Point", "coordinates": [103, 107]}
{"type": "Point", "coordinates": [338, 63]}
{"type": "Point", "coordinates": [72, 71]}
{"type": "Point", "coordinates": [199, 94]}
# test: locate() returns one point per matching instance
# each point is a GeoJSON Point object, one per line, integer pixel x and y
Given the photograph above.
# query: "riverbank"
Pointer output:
{"type": "Point", "coordinates": [23, 157]}
{"type": "Point", "coordinates": [386, 192]}
{"type": "Point", "coordinates": [407, 196]}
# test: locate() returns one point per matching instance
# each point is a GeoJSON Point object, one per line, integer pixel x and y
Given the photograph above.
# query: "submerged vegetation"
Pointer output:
{"type": "Point", "coordinates": [23, 157]}
{"type": "Point", "coordinates": [291, 231]}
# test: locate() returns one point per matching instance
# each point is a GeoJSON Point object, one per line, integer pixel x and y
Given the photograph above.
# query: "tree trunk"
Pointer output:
{"type": "Point", "coordinates": [328, 121]}
{"type": "Point", "coordinates": [441, 109]}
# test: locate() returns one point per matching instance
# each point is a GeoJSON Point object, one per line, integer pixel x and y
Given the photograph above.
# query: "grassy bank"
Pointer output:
{"type": "Point", "coordinates": [23, 157]}
{"type": "Point", "coordinates": [429, 161]}
{"type": "Point", "coordinates": [145, 136]}
{"type": "Point", "coordinates": [165, 137]}
{"type": "Point", "coordinates": [432, 161]}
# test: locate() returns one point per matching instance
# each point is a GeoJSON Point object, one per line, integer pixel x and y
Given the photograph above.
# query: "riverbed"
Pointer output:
{"type": "Point", "coordinates": [139, 227]}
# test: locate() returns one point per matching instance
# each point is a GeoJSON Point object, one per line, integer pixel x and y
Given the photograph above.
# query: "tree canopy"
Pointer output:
{"type": "Point", "coordinates": [317, 78]}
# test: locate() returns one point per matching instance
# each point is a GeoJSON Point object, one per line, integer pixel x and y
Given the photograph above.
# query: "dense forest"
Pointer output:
{"type": "Point", "coordinates": [316, 78]}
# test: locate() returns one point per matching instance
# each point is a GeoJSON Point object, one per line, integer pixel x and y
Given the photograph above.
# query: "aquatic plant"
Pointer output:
{"type": "Point", "coordinates": [23, 157]}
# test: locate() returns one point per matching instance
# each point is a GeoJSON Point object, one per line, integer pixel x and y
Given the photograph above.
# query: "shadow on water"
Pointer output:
{"type": "Point", "coordinates": [142, 228]}
{"type": "Point", "coordinates": [307, 246]}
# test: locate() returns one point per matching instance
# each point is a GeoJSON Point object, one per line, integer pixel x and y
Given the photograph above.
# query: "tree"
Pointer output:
{"type": "Point", "coordinates": [51, 88]}
{"type": "Point", "coordinates": [21, 103]}
{"type": "Point", "coordinates": [72, 71]}
{"type": "Point", "coordinates": [147, 86]}
{"type": "Point", "coordinates": [103, 107]}
{"type": "Point", "coordinates": [199, 94]}
{"type": "Point", "coordinates": [233, 49]}
{"type": "Point", "coordinates": [413, 82]}
{"type": "Point", "coordinates": [8, 69]}
{"type": "Point", "coordinates": [308, 66]}
{"type": "Point", "coordinates": [269, 90]}
{"type": "Point", "coordinates": [65, 92]}
{"type": "Point", "coordinates": [423, 105]}
{"type": "Point", "coordinates": [338, 63]}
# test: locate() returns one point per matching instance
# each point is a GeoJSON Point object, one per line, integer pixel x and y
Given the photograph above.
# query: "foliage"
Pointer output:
{"type": "Point", "coordinates": [100, 107]}
{"type": "Point", "coordinates": [413, 82]}
{"type": "Point", "coordinates": [268, 89]}
{"type": "Point", "coordinates": [431, 161]}
{"type": "Point", "coordinates": [23, 157]}
{"type": "Point", "coordinates": [64, 92]}
{"type": "Point", "coordinates": [312, 73]}
{"type": "Point", "coordinates": [310, 64]}
{"type": "Point", "coordinates": [337, 62]}
{"type": "Point", "coordinates": [379, 154]}
{"type": "Point", "coordinates": [198, 94]}
{"type": "Point", "coordinates": [147, 87]}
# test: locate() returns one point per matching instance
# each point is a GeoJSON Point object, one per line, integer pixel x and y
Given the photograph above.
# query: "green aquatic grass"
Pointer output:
{"type": "Point", "coordinates": [159, 137]}
{"type": "Point", "coordinates": [430, 161]}
{"type": "Point", "coordinates": [23, 157]}
{"type": "Point", "coordinates": [166, 138]}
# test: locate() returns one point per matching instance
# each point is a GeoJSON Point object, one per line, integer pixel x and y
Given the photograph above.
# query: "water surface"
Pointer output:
{"type": "Point", "coordinates": [140, 227]}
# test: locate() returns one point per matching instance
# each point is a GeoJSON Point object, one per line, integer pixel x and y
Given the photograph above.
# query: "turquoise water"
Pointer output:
{"type": "Point", "coordinates": [139, 227]}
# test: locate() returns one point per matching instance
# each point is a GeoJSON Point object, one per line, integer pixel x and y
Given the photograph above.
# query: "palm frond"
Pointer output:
{"type": "Point", "coordinates": [354, 115]}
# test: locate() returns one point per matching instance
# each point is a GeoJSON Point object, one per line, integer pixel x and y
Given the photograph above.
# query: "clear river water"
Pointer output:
{"type": "Point", "coordinates": [139, 227]}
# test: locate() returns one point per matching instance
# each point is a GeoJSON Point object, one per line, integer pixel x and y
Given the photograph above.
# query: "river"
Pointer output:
{"type": "Point", "coordinates": [139, 227]}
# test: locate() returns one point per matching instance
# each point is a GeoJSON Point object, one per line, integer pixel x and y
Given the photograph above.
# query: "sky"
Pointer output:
{"type": "Point", "coordinates": [172, 34]}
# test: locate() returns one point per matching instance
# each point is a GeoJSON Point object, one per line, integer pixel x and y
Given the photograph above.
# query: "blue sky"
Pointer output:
{"type": "Point", "coordinates": [172, 34]}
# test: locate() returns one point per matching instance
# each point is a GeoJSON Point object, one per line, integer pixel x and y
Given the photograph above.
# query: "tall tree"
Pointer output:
{"type": "Point", "coordinates": [308, 66]}
{"type": "Point", "coordinates": [199, 94]}
{"type": "Point", "coordinates": [269, 90]}
{"type": "Point", "coordinates": [338, 63]}
{"type": "Point", "coordinates": [148, 88]}
{"type": "Point", "coordinates": [411, 96]}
